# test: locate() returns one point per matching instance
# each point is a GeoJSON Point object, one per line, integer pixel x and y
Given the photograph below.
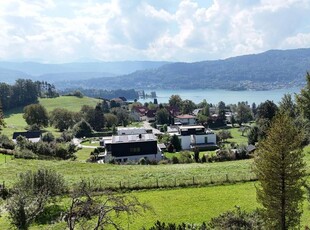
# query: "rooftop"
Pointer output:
{"type": "Point", "coordinates": [184, 127]}
{"type": "Point", "coordinates": [185, 116]}
{"type": "Point", "coordinates": [133, 138]}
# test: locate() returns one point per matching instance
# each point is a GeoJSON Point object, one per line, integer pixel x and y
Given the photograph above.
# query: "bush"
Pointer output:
{"type": "Point", "coordinates": [174, 160]}
{"type": "Point", "coordinates": [6, 143]}
{"type": "Point", "coordinates": [143, 161]}
{"type": "Point", "coordinates": [185, 157]}
{"type": "Point", "coordinates": [26, 154]}
{"type": "Point", "coordinates": [173, 226]}
{"type": "Point", "coordinates": [225, 155]}
{"type": "Point", "coordinates": [237, 219]}
{"type": "Point", "coordinates": [204, 158]}
{"type": "Point", "coordinates": [48, 137]}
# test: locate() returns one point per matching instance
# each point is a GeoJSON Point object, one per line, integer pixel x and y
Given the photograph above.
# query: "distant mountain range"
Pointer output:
{"type": "Point", "coordinates": [268, 70]}
{"type": "Point", "coordinates": [10, 71]}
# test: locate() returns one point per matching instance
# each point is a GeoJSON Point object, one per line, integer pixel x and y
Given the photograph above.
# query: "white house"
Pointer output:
{"type": "Point", "coordinates": [196, 136]}
{"type": "Point", "coordinates": [185, 119]}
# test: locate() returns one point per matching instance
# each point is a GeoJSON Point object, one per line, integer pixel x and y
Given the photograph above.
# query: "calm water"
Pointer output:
{"type": "Point", "coordinates": [215, 95]}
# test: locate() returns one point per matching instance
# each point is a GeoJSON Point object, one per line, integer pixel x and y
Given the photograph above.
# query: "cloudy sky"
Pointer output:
{"type": "Point", "coordinates": [171, 30]}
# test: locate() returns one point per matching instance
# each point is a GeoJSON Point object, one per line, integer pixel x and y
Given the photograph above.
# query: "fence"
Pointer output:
{"type": "Point", "coordinates": [172, 182]}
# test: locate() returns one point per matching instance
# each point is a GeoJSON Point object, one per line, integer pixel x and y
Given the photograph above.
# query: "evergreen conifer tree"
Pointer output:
{"type": "Point", "coordinates": [280, 170]}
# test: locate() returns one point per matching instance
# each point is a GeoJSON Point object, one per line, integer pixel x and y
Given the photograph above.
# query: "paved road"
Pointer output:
{"type": "Point", "coordinates": [77, 142]}
{"type": "Point", "coordinates": [147, 125]}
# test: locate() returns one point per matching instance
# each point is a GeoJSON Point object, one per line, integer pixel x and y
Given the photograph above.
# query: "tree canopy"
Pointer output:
{"type": "Point", "coordinates": [36, 114]}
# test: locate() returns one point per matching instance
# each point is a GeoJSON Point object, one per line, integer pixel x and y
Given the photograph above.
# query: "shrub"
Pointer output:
{"type": "Point", "coordinates": [225, 155]}
{"type": "Point", "coordinates": [170, 148]}
{"type": "Point", "coordinates": [204, 158]}
{"type": "Point", "coordinates": [26, 154]}
{"type": "Point", "coordinates": [48, 137]}
{"type": "Point", "coordinates": [6, 143]}
{"type": "Point", "coordinates": [237, 219]}
{"type": "Point", "coordinates": [143, 161]}
{"type": "Point", "coordinates": [174, 160]}
{"type": "Point", "coordinates": [185, 157]}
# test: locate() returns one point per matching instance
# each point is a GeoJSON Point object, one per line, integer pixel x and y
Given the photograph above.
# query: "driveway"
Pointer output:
{"type": "Point", "coordinates": [147, 125]}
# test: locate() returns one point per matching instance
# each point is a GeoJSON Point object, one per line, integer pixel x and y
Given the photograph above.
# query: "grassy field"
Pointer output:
{"type": "Point", "coordinates": [190, 205]}
{"type": "Point", "coordinates": [68, 102]}
{"type": "Point", "coordinates": [130, 175]}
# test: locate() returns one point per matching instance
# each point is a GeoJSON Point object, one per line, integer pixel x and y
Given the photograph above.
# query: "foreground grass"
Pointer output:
{"type": "Point", "coordinates": [190, 205]}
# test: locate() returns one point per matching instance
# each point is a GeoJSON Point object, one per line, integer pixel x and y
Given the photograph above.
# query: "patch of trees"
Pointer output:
{"type": "Point", "coordinates": [107, 94]}
{"type": "Point", "coordinates": [43, 149]}
{"type": "Point", "coordinates": [24, 92]}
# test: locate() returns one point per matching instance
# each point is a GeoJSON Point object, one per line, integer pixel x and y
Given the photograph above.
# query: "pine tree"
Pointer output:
{"type": "Point", "coordinates": [280, 170]}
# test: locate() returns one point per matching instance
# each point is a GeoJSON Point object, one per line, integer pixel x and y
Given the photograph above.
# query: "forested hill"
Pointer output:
{"type": "Point", "coordinates": [10, 71]}
{"type": "Point", "coordinates": [268, 70]}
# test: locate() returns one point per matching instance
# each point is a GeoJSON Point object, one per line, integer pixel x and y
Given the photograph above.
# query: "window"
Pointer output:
{"type": "Point", "coordinates": [206, 140]}
{"type": "Point", "coordinates": [135, 149]}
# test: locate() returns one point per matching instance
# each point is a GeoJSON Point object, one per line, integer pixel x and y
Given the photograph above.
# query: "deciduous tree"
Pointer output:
{"type": "Point", "coordinates": [62, 119]}
{"type": "Point", "coordinates": [266, 110]}
{"type": "Point", "coordinates": [162, 116]}
{"type": "Point", "coordinates": [244, 113]}
{"type": "Point", "coordinates": [36, 114]}
{"type": "Point", "coordinates": [175, 101]}
{"type": "Point", "coordinates": [280, 170]}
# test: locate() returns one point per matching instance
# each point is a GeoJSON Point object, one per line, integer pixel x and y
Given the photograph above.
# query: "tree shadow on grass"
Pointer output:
{"type": "Point", "coordinates": [11, 112]}
{"type": "Point", "coordinates": [51, 214]}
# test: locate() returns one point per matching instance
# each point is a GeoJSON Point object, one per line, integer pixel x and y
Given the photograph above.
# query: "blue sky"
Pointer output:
{"type": "Point", "coordinates": [170, 30]}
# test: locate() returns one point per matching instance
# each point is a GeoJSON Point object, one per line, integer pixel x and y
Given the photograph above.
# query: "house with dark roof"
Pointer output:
{"type": "Point", "coordinates": [33, 136]}
{"type": "Point", "coordinates": [151, 115]}
{"type": "Point", "coordinates": [125, 148]}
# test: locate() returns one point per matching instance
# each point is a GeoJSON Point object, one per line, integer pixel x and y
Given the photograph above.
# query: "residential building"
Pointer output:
{"type": "Point", "coordinates": [125, 148]}
{"type": "Point", "coordinates": [185, 119]}
{"type": "Point", "coordinates": [33, 136]}
{"type": "Point", "coordinates": [196, 136]}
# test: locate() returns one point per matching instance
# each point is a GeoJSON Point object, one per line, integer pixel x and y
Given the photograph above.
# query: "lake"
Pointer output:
{"type": "Point", "coordinates": [216, 95]}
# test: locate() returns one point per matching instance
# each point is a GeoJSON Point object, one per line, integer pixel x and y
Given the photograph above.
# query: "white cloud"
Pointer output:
{"type": "Point", "coordinates": [186, 30]}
